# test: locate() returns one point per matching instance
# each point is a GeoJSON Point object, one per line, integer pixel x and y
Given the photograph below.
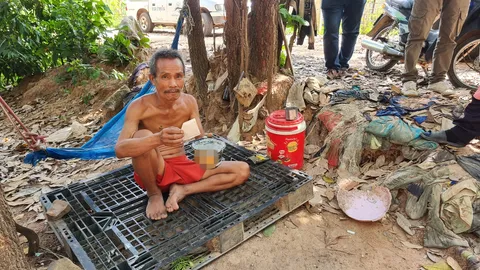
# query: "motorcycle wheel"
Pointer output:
{"type": "Point", "coordinates": [465, 67]}
{"type": "Point", "coordinates": [382, 34]}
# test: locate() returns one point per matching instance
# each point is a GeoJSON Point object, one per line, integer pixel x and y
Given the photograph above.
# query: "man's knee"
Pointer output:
{"type": "Point", "coordinates": [243, 172]}
{"type": "Point", "coordinates": [142, 133]}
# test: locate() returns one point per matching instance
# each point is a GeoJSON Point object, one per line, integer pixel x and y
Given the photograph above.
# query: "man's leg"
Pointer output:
{"type": "Point", "coordinates": [419, 25]}
{"type": "Point", "coordinates": [332, 14]}
{"type": "Point", "coordinates": [454, 13]}
{"type": "Point", "coordinates": [148, 166]}
{"type": "Point", "coordinates": [351, 20]}
{"type": "Point", "coordinates": [229, 174]}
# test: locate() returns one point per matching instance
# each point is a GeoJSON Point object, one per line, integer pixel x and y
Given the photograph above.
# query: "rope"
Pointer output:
{"type": "Point", "coordinates": [189, 24]}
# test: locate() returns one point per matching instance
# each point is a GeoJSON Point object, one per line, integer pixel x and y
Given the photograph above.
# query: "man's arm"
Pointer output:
{"type": "Point", "coordinates": [195, 114]}
{"type": "Point", "coordinates": [127, 146]}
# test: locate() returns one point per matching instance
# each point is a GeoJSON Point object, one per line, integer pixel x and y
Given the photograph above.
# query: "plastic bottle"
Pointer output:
{"type": "Point", "coordinates": [473, 263]}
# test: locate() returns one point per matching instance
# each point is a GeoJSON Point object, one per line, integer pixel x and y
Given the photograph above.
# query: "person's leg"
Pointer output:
{"type": "Point", "coordinates": [227, 175]}
{"type": "Point", "coordinates": [352, 16]}
{"type": "Point", "coordinates": [454, 13]}
{"type": "Point", "coordinates": [332, 11]}
{"type": "Point", "coordinates": [419, 25]}
{"type": "Point", "coordinates": [147, 167]}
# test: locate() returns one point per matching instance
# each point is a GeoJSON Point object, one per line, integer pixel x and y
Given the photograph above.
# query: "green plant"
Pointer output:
{"type": "Point", "coordinates": [283, 57]}
{"type": "Point", "coordinates": [119, 50]}
{"type": "Point", "coordinates": [117, 75]}
{"type": "Point", "coordinates": [289, 19]}
{"type": "Point", "coordinates": [87, 98]}
{"type": "Point", "coordinates": [38, 34]}
{"type": "Point", "coordinates": [77, 72]}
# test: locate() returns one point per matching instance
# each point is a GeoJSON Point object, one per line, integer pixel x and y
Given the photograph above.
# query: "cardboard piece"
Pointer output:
{"type": "Point", "coordinates": [190, 129]}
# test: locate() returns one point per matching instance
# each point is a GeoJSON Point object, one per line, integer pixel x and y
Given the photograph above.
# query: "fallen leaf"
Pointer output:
{"type": "Point", "coordinates": [410, 245]}
{"type": "Point", "coordinates": [334, 204]}
{"type": "Point", "coordinates": [27, 201]}
{"type": "Point", "coordinates": [376, 173]}
{"type": "Point", "coordinates": [453, 263]}
{"type": "Point", "coordinates": [396, 89]}
{"type": "Point", "coordinates": [330, 194]}
{"type": "Point", "coordinates": [441, 265]}
{"type": "Point", "coordinates": [330, 209]}
{"type": "Point", "coordinates": [403, 222]}
{"type": "Point", "coordinates": [434, 258]}
{"type": "Point", "coordinates": [328, 179]}
{"type": "Point", "coordinates": [380, 162]}
{"type": "Point", "coordinates": [269, 230]}
{"type": "Point", "coordinates": [23, 193]}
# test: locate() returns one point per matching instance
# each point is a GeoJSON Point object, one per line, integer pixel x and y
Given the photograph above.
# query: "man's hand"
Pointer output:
{"type": "Point", "coordinates": [171, 136]}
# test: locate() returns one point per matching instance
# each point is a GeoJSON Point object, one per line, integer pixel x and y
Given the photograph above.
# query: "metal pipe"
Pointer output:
{"type": "Point", "coordinates": [380, 48]}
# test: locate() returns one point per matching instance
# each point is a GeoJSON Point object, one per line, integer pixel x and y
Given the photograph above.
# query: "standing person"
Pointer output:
{"type": "Point", "coordinates": [349, 13]}
{"type": "Point", "coordinates": [452, 16]}
{"type": "Point", "coordinates": [465, 130]}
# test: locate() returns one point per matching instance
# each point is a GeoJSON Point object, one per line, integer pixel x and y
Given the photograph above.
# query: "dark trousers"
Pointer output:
{"type": "Point", "coordinates": [467, 128]}
{"type": "Point", "coordinates": [349, 13]}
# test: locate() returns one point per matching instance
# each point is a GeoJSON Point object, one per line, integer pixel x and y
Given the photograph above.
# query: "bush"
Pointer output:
{"type": "Point", "coordinates": [38, 34]}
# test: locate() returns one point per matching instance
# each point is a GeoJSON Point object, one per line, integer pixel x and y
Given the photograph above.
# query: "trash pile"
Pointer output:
{"type": "Point", "coordinates": [365, 150]}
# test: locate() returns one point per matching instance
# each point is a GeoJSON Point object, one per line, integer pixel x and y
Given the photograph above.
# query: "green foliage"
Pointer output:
{"type": "Point", "coordinates": [38, 34]}
{"type": "Point", "coordinates": [117, 75]}
{"type": "Point", "coordinates": [87, 98]}
{"type": "Point", "coordinates": [118, 10]}
{"type": "Point", "coordinates": [289, 19]}
{"type": "Point", "coordinates": [283, 57]}
{"type": "Point", "coordinates": [182, 263]}
{"type": "Point", "coordinates": [119, 50]}
{"type": "Point", "coordinates": [77, 72]}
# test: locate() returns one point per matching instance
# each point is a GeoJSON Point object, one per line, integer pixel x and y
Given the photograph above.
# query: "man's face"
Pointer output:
{"type": "Point", "coordinates": [169, 80]}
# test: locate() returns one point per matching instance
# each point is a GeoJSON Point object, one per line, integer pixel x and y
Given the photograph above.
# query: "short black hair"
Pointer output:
{"type": "Point", "coordinates": [164, 54]}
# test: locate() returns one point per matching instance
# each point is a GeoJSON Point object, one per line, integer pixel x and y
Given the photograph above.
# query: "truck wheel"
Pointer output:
{"type": "Point", "coordinates": [145, 22]}
{"type": "Point", "coordinates": [207, 24]}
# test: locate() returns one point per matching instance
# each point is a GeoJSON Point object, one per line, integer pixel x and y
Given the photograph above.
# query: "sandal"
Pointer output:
{"type": "Point", "coordinates": [333, 74]}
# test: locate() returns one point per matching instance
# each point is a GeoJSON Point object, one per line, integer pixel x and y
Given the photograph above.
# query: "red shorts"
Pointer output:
{"type": "Point", "coordinates": [180, 170]}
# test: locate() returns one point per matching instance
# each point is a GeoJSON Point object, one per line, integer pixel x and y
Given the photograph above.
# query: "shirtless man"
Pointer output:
{"type": "Point", "coordinates": [151, 135]}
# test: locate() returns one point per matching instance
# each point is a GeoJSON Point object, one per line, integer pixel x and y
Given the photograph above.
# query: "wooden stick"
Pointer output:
{"type": "Point", "coordinates": [289, 56]}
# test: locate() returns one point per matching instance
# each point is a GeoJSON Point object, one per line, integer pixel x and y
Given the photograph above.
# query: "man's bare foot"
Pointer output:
{"type": "Point", "coordinates": [177, 193]}
{"type": "Point", "coordinates": [156, 208]}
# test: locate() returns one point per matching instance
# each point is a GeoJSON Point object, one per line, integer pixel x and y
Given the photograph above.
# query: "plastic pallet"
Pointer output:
{"type": "Point", "coordinates": [107, 227]}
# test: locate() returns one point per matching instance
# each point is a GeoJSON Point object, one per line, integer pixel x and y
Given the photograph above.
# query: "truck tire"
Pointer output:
{"type": "Point", "coordinates": [145, 22]}
{"type": "Point", "coordinates": [207, 24]}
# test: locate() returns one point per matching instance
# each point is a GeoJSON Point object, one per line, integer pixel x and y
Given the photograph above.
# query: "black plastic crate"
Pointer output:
{"type": "Point", "coordinates": [107, 227]}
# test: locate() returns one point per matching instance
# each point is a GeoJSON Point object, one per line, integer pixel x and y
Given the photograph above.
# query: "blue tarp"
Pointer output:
{"type": "Point", "coordinates": [101, 146]}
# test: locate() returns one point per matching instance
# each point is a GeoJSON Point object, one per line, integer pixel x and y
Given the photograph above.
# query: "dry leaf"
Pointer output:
{"type": "Point", "coordinates": [396, 89]}
{"type": "Point", "coordinates": [23, 193]}
{"type": "Point", "coordinates": [410, 245]}
{"type": "Point", "coordinates": [376, 173]}
{"type": "Point", "coordinates": [380, 162]}
{"type": "Point", "coordinates": [27, 201]}
{"type": "Point", "coordinates": [403, 222]}
{"type": "Point", "coordinates": [453, 263]}
{"type": "Point", "coordinates": [434, 258]}
{"type": "Point", "coordinates": [330, 194]}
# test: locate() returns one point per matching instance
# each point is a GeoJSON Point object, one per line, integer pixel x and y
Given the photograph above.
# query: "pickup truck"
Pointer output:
{"type": "Point", "coordinates": [151, 13]}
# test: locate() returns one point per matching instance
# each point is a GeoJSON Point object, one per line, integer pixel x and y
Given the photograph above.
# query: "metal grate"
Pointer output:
{"type": "Point", "coordinates": [107, 227]}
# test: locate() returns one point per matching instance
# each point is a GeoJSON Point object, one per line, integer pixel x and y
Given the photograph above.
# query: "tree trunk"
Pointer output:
{"type": "Point", "coordinates": [233, 40]}
{"type": "Point", "coordinates": [12, 257]}
{"type": "Point", "coordinates": [198, 51]}
{"type": "Point", "coordinates": [263, 32]}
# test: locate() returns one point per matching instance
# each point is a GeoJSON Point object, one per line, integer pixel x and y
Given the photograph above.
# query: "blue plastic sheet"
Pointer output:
{"type": "Point", "coordinates": [396, 109]}
{"type": "Point", "coordinates": [101, 146]}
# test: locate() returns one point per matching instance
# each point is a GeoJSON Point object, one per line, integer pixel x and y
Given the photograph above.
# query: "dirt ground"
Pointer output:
{"type": "Point", "coordinates": [302, 240]}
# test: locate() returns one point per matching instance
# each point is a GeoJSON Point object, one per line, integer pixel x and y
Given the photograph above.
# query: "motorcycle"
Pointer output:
{"type": "Point", "coordinates": [389, 38]}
